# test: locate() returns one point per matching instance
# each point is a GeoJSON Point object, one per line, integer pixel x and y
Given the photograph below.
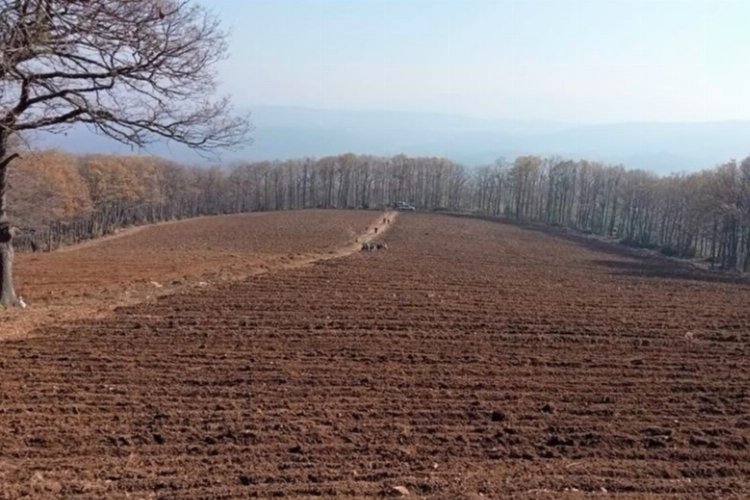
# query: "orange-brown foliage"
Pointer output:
{"type": "Point", "coordinates": [47, 186]}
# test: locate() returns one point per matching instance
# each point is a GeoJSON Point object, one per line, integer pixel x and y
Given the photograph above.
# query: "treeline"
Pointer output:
{"type": "Point", "coordinates": [57, 198]}
{"type": "Point", "coordinates": [701, 215]}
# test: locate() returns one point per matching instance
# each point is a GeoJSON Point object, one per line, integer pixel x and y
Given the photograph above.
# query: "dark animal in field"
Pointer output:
{"type": "Point", "coordinates": [371, 247]}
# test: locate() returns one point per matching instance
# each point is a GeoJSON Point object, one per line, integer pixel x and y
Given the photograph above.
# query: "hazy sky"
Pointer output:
{"type": "Point", "coordinates": [576, 61]}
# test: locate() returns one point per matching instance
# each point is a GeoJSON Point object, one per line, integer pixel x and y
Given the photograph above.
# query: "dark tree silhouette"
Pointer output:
{"type": "Point", "coordinates": [134, 70]}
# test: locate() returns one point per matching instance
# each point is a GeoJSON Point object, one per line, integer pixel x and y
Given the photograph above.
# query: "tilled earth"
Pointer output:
{"type": "Point", "coordinates": [471, 359]}
{"type": "Point", "coordinates": [137, 265]}
{"type": "Point", "coordinates": [185, 250]}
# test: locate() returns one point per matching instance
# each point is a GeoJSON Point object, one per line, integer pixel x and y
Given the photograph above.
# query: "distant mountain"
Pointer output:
{"type": "Point", "coordinates": [292, 132]}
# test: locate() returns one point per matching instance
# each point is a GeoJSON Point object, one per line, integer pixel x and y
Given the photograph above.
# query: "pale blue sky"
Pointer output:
{"type": "Point", "coordinates": [573, 61]}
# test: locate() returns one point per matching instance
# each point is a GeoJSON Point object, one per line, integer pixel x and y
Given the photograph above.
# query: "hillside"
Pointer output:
{"type": "Point", "coordinates": [289, 132]}
{"type": "Point", "coordinates": [527, 367]}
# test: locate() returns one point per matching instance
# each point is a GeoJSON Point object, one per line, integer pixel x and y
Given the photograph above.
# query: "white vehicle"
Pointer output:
{"type": "Point", "coordinates": [402, 205]}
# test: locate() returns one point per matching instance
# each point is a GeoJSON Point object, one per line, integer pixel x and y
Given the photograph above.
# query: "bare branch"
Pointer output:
{"type": "Point", "coordinates": [6, 161]}
{"type": "Point", "coordinates": [134, 70]}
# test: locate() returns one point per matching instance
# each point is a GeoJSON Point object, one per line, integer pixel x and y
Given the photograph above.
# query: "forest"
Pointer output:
{"type": "Point", "coordinates": [57, 198]}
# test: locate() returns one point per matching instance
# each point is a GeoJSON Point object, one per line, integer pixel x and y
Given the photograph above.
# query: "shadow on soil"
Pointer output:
{"type": "Point", "coordinates": [642, 263]}
{"type": "Point", "coordinates": [657, 268]}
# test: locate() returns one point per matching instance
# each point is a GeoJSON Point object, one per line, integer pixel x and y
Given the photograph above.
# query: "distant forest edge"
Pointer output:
{"type": "Point", "coordinates": [57, 198]}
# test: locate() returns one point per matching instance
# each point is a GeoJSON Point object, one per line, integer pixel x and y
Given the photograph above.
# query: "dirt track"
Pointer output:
{"type": "Point", "coordinates": [469, 359]}
{"type": "Point", "coordinates": [138, 265]}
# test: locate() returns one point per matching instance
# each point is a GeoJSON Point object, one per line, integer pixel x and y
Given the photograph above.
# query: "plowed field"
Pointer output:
{"type": "Point", "coordinates": [149, 261]}
{"type": "Point", "coordinates": [471, 359]}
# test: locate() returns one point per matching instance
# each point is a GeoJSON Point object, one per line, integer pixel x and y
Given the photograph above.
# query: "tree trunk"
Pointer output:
{"type": "Point", "coordinates": [8, 297]}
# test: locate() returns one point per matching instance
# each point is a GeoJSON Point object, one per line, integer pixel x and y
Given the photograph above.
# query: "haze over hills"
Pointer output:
{"type": "Point", "coordinates": [293, 132]}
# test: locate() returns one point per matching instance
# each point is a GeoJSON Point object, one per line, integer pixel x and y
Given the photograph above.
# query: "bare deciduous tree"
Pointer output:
{"type": "Point", "coordinates": [134, 70]}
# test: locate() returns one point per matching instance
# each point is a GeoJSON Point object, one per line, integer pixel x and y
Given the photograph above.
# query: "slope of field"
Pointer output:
{"type": "Point", "coordinates": [153, 260]}
{"type": "Point", "coordinates": [470, 359]}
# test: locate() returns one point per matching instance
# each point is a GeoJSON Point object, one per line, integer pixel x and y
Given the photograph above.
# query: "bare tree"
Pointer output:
{"type": "Point", "coordinates": [134, 70]}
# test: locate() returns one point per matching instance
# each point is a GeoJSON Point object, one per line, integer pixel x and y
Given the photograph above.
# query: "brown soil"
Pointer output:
{"type": "Point", "coordinates": [471, 359]}
{"type": "Point", "coordinates": [146, 262]}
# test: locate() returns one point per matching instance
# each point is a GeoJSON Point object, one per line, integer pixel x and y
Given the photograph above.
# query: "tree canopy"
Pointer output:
{"type": "Point", "coordinates": [134, 70]}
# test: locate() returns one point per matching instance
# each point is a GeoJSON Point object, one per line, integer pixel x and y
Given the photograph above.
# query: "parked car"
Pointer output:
{"type": "Point", "coordinates": [402, 205]}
